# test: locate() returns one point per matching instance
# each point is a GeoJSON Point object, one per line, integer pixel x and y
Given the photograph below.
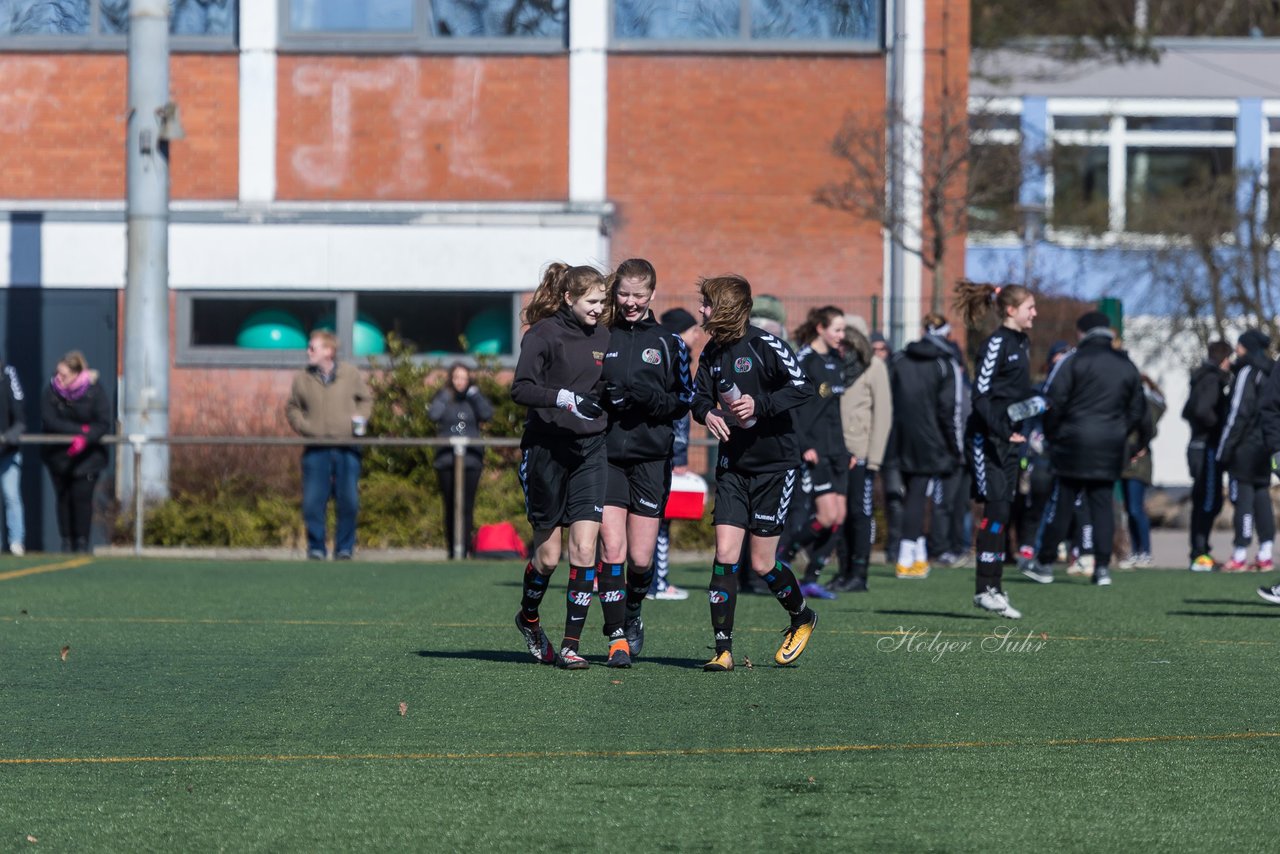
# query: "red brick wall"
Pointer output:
{"type": "Point", "coordinates": [433, 127]}
{"type": "Point", "coordinates": [714, 161]}
{"type": "Point", "coordinates": [62, 126]}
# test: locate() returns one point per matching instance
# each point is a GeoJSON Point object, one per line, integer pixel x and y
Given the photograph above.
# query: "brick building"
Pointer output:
{"type": "Point", "coordinates": [409, 166]}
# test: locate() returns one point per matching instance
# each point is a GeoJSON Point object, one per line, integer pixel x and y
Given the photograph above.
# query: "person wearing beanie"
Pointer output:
{"type": "Point", "coordinates": [1095, 402]}
{"type": "Point", "coordinates": [677, 321]}
{"type": "Point", "coordinates": [1205, 413]}
{"type": "Point", "coordinates": [1242, 453]}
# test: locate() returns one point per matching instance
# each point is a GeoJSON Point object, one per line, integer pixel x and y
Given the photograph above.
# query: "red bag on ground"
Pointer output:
{"type": "Point", "coordinates": [499, 541]}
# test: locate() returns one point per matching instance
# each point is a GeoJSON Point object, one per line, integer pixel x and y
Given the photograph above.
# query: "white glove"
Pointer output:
{"type": "Point", "coordinates": [583, 407]}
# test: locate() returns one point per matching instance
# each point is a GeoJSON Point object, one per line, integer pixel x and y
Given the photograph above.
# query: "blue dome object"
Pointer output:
{"type": "Point", "coordinates": [272, 329]}
{"type": "Point", "coordinates": [489, 333]}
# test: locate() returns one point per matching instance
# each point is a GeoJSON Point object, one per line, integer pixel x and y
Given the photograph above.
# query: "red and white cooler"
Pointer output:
{"type": "Point", "coordinates": [688, 496]}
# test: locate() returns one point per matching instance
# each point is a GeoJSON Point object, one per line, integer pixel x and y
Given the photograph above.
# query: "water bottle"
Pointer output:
{"type": "Point", "coordinates": [1029, 408]}
{"type": "Point", "coordinates": [729, 392]}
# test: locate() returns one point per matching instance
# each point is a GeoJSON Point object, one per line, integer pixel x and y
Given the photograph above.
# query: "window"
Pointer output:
{"type": "Point", "coordinates": [1158, 176]}
{"type": "Point", "coordinates": [994, 175]}
{"type": "Point", "coordinates": [426, 24]}
{"type": "Point", "coordinates": [271, 329]}
{"type": "Point", "coordinates": [807, 24]}
{"type": "Point", "coordinates": [1080, 188]}
{"type": "Point", "coordinates": [1181, 123]}
{"type": "Point", "coordinates": [1087, 123]}
{"type": "Point", "coordinates": [101, 23]}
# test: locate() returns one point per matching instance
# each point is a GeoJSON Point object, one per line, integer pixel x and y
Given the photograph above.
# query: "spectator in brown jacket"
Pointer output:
{"type": "Point", "coordinates": [329, 400]}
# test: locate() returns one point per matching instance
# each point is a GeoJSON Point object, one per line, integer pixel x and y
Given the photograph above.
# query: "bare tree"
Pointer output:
{"type": "Point", "coordinates": [1221, 271]}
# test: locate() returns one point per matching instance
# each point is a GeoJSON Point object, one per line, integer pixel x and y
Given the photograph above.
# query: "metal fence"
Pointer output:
{"type": "Point", "coordinates": [137, 445]}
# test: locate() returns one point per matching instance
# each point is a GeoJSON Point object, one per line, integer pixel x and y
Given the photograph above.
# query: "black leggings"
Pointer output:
{"type": "Point", "coordinates": [1253, 512]}
{"type": "Point", "coordinates": [918, 487]}
{"type": "Point", "coordinates": [74, 494]}
{"type": "Point", "coordinates": [1206, 495]}
{"type": "Point", "coordinates": [1097, 530]}
{"type": "Point", "coordinates": [470, 485]}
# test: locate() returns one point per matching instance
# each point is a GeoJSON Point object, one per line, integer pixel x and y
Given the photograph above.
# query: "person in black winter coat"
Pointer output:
{"type": "Point", "coordinates": [647, 389]}
{"type": "Point", "coordinates": [1205, 412]}
{"type": "Point", "coordinates": [563, 462]}
{"type": "Point", "coordinates": [747, 386]}
{"type": "Point", "coordinates": [927, 428]}
{"type": "Point", "coordinates": [1243, 455]}
{"type": "Point", "coordinates": [993, 440]}
{"type": "Point", "coordinates": [1095, 401]}
{"type": "Point", "coordinates": [459, 409]}
{"type": "Point", "coordinates": [1269, 416]}
{"type": "Point", "coordinates": [75, 405]}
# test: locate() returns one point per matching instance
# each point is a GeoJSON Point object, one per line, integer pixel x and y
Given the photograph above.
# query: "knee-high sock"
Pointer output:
{"type": "Point", "coordinates": [535, 587]}
{"type": "Point", "coordinates": [578, 603]}
{"type": "Point", "coordinates": [613, 599]}
{"type": "Point", "coordinates": [722, 593]}
{"type": "Point", "coordinates": [990, 542]}
{"type": "Point", "coordinates": [782, 581]}
{"type": "Point", "coordinates": [639, 580]}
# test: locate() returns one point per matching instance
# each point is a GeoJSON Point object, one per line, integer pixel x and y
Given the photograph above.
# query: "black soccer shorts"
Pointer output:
{"type": "Point", "coordinates": [755, 502]}
{"type": "Point", "coordinates": [641, 487]}
{"type": "Point", "coordinates": [563, 480]}
{"type": "Point", "coordinates": [830, 474]}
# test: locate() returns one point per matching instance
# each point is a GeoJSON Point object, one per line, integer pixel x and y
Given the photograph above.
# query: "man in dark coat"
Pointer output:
{"type": "Point", "coordinates": [1095, 402]}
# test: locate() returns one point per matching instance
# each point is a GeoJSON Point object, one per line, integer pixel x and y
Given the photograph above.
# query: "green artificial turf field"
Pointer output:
{"type": "Point", "coordinates": [209, 705]}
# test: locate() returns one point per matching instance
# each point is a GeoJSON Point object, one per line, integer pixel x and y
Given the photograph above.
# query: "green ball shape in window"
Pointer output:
{"type": "Point", "coordinates": [272, 329]}
{"type": "Point", "coordinates": [489, 333]}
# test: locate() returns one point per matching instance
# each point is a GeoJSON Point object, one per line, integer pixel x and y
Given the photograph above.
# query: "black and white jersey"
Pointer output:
{"type": "Point", "coordinates": [1004, 377]}
{"type": "Point", "coordinates": [765, 368]}
{"type": "Point", "coordinates": [818, 421]}
{"type": "Point", "coordinates": [650, 367]}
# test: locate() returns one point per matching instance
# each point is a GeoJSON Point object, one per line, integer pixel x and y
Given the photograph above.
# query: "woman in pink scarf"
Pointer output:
{"type": "Point", "coordinates": [74, 404]}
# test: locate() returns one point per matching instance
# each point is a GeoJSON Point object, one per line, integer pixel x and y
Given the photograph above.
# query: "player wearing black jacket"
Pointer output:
{"type": "Point", "coordinates": [1269, 415]}
{"type": "Point", "coordinates": [1206, 412]}
{"type": "Point", "coordinates": [1243, 455]}
{"type": "Point", "coordinates": [1095, 401]}
{"type": "Point", "coordinates": [747, 385]}
{"type": "Point", "coordinates": [647, 389]}
{"type": "Point", "coordinates": [993, 441]}
{"type": "Point", "coordinates": [821, 436]}
{"type": "Point", "coordinates": [927, 427]}
{"type": "Point", "coordinates": [562, 467]}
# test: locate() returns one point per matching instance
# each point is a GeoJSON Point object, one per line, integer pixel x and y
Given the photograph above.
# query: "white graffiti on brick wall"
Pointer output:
{"type": "Point", "coordinates": [326, 164]}
{"type": "Point", "coordinates": [26, 89]}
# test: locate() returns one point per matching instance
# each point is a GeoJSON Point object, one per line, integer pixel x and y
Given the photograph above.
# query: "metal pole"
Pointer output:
{"type": "Point", "coordinates": [136, 441]}
{"type": "Point", "coordinates": [152, 122]}
{"type": "Point", "coordinates": [459, 494]}
{"type": "Point", "coordinates": [896, 162]}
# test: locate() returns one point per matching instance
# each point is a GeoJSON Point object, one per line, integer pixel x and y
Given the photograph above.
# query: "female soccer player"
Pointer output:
{"type": "Point", "coordinates": [562, 468]}
{"type": "Point", "coordinates": [748, 382]}
{"type": "Point", "coordinates": [647, 388]}
{"type": "Point", "coordinates": [992, 440]}
{"type": "Point", "coordinates": [821, 437]}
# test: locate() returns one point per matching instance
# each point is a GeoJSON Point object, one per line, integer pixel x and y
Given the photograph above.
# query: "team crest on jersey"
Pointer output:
{"type": "Point", "coordinates": [651, 357]}
{"type": "Point", "coordinates": [742, 365]}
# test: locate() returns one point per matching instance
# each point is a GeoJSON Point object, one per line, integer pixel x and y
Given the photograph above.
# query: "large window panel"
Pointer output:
{"type": "Point", "coordinates": [994, 174]}
{"type": "Point", "coordinates": [1080, 180]}
{"type": "Point", "coordinates": [110, 18]}
{"type": "Point", "coordinates": [748, 23]}
{"type": "Point", "coordinates": [1159, 178]}
{"type": "Point", "coordinates": [328, 16]}
{"type": "Point", "coordinates": [500, 18]}
{"type": "Point", "coordinates": [259, 323]}
{"type": "Point", "coordinates": [439, 324]}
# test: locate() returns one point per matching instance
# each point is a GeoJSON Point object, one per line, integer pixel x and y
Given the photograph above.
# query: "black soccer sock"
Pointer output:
{"type": "Point", "coordinates": [991, 542]}
{"type": "Point", "coordinates": [613, 599]}
{"type": "Point", "coordinates": [722, 593]}
{"type": "Point", "coordinates": [819, 552]}
{"type": "Point", "coordinates": [578, 603]}
{"type": "Point", "coordinates": [535, 587]}
{"type": "Point", "coordinates": [639, 580]}
{"type": "Point", "coordinates": [782, 582]}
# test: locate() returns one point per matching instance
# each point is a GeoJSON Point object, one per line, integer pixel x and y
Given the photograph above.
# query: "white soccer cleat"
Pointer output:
{"type": "Point", "coordinates": [997, 602]}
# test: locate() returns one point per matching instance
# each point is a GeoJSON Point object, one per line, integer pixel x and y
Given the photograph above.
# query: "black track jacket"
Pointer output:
{"type": "Point", "coordinates": [1004, 377]}
{"type": "Point", "coordinates": [1241, 451]}
{"type": "Point", "coordinates": [927, 406]}
{"type": "Point", "coordinates": [1269, 409]}
{"type": "Point", "coordinates": [818, 421]}
{"type": "Point", "coordinates": [651, 367]}
{"type": "Point", "coordinates": [559, 352]}
{"type": "Point", "coordinates": [1207, 402]}
{"type": "Point", "coordinates": [1095, 402]}
{"type": "Point", "coordinates": [765, 368]}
